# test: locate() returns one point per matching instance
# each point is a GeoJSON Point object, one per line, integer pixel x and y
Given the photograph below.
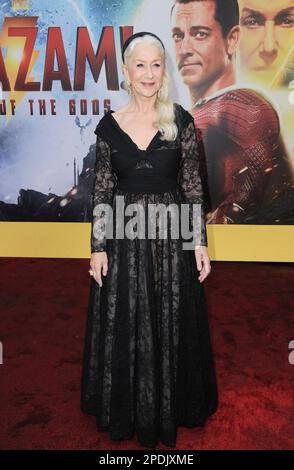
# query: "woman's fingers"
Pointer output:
{"type": "Point", "coordinates": [99, 264]}
{"type": "Point", "coordinates": [105, 268]}
{"type": "Point", "coordinates": [203, 262]}
{"type": "Point", "coordinates": [98, 269]}
{"type": "Point", "coordinates": [205, 270]}
{"type": "Point", "coordinates": [199, 261]}
{"type": "Point", "coordinates": [98, 276]}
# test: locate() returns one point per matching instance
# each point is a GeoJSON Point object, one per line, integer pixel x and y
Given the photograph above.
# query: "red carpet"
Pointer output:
{"type": "Point", "coordinates": [43, 307]}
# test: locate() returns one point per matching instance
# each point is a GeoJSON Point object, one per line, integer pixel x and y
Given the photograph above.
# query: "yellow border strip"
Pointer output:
{"type": "Point", "coordinates": [72, 240]}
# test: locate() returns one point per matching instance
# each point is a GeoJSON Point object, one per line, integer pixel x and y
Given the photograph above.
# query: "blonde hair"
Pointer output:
{"type": "Point", "coordinates": [164, 103]}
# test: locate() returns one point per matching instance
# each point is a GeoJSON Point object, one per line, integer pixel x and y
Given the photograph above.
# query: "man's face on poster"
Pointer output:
{"type": "Point", "coordinates": [267, 34]}
{"type": "Point", "coordinates": [200, 46]}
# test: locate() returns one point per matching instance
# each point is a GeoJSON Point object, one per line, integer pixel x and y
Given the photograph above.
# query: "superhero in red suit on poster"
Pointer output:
{"type": "Point", "coordinates": [246, 171]}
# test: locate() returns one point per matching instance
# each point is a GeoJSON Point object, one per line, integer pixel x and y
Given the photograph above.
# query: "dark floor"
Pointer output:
{"type": "Point", "coordinates": [43, 309]}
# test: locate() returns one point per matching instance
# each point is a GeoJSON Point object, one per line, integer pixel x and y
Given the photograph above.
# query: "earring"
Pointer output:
{"type": "Point", "coordinates": [128, 86]}
{"type": "Point", "coordinates": [159, 93]}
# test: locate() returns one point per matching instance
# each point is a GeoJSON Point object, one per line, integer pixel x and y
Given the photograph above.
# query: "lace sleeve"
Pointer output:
{"type": "Point", "coordinates": [190, 182]}
{"type": "Point", "coordinates": [102, 194]}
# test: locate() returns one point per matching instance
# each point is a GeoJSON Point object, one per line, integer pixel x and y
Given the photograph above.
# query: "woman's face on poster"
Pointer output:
{"type": "Point", "coordinates": [267, 36]}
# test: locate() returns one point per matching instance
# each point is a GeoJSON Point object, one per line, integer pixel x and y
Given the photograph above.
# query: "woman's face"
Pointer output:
{"type": "Point", "coordinates": [145, 69]}
{"type": "Point", "coordinates": [267, 36]}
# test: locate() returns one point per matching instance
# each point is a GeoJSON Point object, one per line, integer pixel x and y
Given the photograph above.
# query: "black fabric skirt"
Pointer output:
{"type": "Point", "coordinates": [147, 363]}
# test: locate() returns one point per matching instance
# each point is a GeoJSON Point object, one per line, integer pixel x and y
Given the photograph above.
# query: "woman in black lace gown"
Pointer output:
{"type": "Point", "coordinates": [147, 364]}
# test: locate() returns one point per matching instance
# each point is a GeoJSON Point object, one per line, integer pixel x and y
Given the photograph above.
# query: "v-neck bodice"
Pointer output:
{"type": "Point", "coordinates": [166, 171]}
{"type": "Point", "coordinates": [129, 137]}
{"type": "Point", "coordinates": [154, 169]}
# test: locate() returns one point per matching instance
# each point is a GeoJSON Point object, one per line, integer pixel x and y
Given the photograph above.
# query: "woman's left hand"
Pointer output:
{"type": "Point", "coordinates": [202, 261]}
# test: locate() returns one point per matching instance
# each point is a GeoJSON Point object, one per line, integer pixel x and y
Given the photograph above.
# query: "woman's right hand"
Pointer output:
{"type": "Point", "coordinates": [98, 262]}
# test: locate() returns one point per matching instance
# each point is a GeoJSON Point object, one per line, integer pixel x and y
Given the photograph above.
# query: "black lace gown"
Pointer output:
{"type": "Point", "coordinates": [147, 362]}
